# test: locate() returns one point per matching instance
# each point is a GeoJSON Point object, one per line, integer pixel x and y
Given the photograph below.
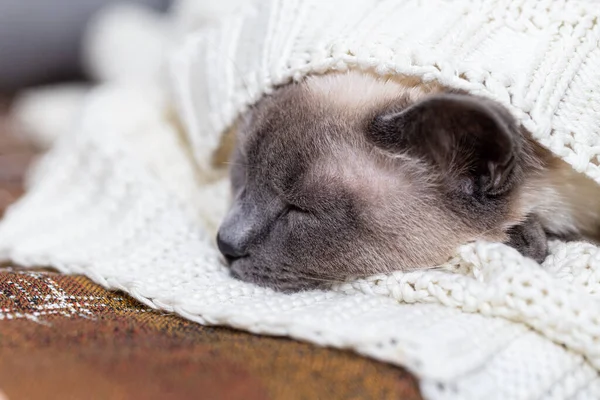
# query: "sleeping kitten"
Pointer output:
{"type": "Point", "coordinates": [348, 174]}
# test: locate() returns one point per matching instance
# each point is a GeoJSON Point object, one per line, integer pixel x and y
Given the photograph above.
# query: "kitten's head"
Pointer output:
{"type": "Point", "coordinates": [349, 175]}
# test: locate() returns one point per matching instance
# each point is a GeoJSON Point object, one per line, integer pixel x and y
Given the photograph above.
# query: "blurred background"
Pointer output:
{"type": "Point", "coordinates": [45, 70]}
{"type": "Point", "coordinates": [40, 40]}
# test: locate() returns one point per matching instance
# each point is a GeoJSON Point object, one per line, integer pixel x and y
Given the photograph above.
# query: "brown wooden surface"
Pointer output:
{"type": "Point", "coordinates": [63, 337]}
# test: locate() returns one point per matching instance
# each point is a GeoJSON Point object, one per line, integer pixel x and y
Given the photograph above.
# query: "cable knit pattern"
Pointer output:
{"type": "Point", "coordinates": [539, 58]}
{"type": "Point", "coordinates": [121, 200]}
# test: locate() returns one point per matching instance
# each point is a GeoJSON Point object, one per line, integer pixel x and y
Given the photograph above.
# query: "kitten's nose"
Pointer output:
{"type": "Point", "coordinates": [228, 249]}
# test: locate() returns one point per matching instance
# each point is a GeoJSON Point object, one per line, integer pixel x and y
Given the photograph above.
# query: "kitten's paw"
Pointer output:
{"type": "Point", "coordinates": [529, 239]}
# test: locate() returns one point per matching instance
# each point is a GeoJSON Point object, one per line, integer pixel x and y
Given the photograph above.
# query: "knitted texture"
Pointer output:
{"type": "Point", "coordinates": [121, 200]}
{"type": "Point", "coordinates": [539, 58]}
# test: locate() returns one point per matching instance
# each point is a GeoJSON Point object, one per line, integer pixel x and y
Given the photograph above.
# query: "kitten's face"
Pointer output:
{"type": "Point", "coordinates": [330, 180]}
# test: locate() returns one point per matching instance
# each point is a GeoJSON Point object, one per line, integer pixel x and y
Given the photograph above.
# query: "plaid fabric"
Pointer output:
{"type": "Point", "coordinates": [64, 337]}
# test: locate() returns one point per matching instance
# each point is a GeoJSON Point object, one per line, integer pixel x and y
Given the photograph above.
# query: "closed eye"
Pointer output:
{"type": "Point", "coordinates": [296, 209]}
{"type": "Point", "coordinates": [298, 216]}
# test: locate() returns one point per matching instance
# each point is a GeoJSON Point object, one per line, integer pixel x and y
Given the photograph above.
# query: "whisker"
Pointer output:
{"type": "Point", "coordinates": [326, 280]}
{"type": "Point", "coordinates": [235, 163]}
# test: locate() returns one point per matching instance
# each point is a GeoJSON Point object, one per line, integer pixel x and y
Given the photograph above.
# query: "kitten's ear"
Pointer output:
{"type": "Point", "coordinates": [471, 139]}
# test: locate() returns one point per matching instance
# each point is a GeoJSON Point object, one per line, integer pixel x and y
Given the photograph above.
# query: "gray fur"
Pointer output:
{"type": "Point", "coordinates": [529, 238]}
{"type": "Point", "coordinates": [350, 175]}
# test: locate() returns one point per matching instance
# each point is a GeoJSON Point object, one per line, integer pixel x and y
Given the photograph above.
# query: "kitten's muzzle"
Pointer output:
{"type": "Point", "coordinates": [229, 249]}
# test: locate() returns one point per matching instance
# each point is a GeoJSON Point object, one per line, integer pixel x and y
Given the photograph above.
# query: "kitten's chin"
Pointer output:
{"type": "Point", "coordinates": [236, 272]}
{"type": "Point", "coordinates": [244, 273]}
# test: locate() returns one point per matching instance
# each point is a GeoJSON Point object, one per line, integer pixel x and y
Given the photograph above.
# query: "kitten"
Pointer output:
{"type": "Point", "coordinates": [349, 174]}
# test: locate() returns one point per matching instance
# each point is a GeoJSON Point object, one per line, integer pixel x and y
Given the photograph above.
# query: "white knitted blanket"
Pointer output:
{"type": "Point", "coordinates": [129, 197]}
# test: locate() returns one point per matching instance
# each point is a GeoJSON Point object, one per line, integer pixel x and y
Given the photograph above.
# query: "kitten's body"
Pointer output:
{"type": "Point", "coordinates": [339, 175]}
